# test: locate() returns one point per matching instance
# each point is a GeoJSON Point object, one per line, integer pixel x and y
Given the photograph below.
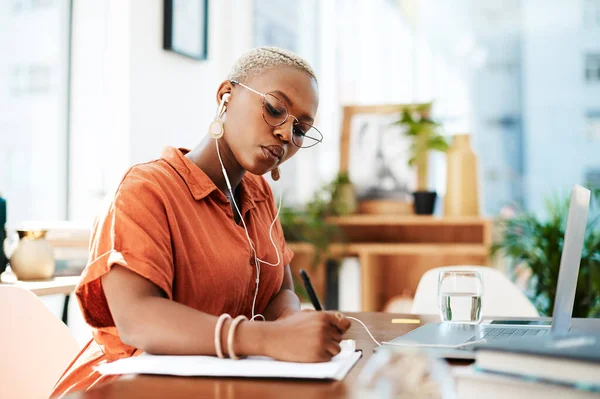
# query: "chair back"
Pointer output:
{"type": "Point", "coordinates": [35, 346]}
{"type": "Point", "coordinates": [501, 297]}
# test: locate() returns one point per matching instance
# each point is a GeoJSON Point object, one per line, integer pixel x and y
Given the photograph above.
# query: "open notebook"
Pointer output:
{"type": "Point", "coordinates": [252, 367]}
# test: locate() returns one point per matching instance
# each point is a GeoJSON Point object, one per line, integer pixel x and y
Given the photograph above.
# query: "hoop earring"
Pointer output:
{"type": "Point", "coordinates": [216, 129]}
{"type": "Point", "coordinates": [275, 174]}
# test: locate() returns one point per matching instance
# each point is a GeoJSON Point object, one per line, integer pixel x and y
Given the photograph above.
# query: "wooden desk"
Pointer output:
{"type": "Point", "coordinates": [178, 387]}
{"type": "Point", "coordinates": [227, 388]}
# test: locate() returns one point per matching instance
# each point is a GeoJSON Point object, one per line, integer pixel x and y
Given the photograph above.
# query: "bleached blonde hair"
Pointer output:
{"type": "Point", "coordinates": [261, 59]}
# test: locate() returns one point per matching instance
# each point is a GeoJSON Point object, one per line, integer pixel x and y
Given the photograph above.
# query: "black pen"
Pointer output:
{"type": "Point", "coordinates": [312, 295]}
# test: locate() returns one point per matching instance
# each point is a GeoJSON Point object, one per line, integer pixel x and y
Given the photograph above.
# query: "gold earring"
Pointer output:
{"type": "Point", "coordinates": [216, 129]}
{"type": "Point", "coordinates": [275, 174]}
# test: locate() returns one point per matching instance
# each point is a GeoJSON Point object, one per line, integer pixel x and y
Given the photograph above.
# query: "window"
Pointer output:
{"type": "Point", "coordinates": [592, 125]}
{"type": "Point", "coordinates": [34, 100]}
{"type": "Point", "coordinates": [559, 119]}
{"type": "Point", "coordinates": [592, 67]}
{"type": "Point", "coordinates": [591, 13]}
{"type": "Point", "coordinates": [592, 179]}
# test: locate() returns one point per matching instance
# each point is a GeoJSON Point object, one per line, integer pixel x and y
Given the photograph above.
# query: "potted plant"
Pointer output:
{"type": "Point", "coordinates": [425, 135]}
{"type": "Point", "coordinates": [309, 224]}
{"type": "Point", "coordinates": [343, 195]}
{"type": "Point", "coordinates": [536, 244]}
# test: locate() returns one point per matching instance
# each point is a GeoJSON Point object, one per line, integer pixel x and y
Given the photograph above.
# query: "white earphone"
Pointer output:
{"type": "Point", "coordinates": [224, 100]}
{"type": "Point", "coordinates": [216, 131]}
{"type": "Point", "coordinates": [216, 128]}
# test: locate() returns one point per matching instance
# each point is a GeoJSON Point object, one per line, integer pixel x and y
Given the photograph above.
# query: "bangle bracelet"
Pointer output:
{"type": "Point", "coordinates": [231, 335]}
{"type": "Point", "coordinates": [218, 328]}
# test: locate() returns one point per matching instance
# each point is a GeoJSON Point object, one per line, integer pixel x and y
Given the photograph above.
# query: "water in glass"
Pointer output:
{"type": "Point", "coordinates": [460, 307]}
{"type": "Point", "coordinates": [460, 296]}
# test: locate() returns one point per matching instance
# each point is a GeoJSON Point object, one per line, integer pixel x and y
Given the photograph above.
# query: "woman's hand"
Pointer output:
{"type": "Point", "coordinates": [307, 336]}
{"type": "Point", "coordinates": [288, 312]}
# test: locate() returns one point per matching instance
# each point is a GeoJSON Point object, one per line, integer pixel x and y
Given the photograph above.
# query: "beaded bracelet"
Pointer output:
{"type": "Point", "coordinates": [218, 328]}
{"type": "Point", "coordinates": [231, 335]}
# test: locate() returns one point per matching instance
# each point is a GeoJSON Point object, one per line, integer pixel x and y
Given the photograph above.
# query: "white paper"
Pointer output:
{"type": "Point", "coordinates": [254, 366]}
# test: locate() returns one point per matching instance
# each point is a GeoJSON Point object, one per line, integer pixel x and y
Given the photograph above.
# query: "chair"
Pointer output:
{"type": "Point", "coordinates": [501, 297]}
{"type": "Point", "coordinates": [35, 346]}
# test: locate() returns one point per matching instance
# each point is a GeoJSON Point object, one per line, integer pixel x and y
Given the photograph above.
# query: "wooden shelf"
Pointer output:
{"type": "Point", "coordinates": [411, 249]}
{"type": "Point", "coordinates": [405, 220]}
{"type": "Point", "coordinates": [56, 285]}
{"type": "Point", "coordinates": [394, 251]}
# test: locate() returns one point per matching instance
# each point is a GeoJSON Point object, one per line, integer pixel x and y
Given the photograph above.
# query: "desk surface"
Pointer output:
{"type": "Point", "coordinates": [380, 325]}
{"type": "Point", "coordinates": [56, 285]}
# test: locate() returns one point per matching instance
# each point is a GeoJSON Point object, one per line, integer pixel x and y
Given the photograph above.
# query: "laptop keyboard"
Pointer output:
{"type": "Point", "coordinates": [496, 333]}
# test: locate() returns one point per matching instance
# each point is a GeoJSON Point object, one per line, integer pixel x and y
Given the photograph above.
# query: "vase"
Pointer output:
{"type": "Point", "coordinates": [33, 257]}
{"type": "Point", "coordinates": [462, 195]}
{"type": "Point", "coordinates": [344, 199]}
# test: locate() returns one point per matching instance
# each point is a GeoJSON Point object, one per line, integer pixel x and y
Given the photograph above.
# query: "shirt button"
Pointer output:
{"type": "Point", "coordinates": [252, 262]}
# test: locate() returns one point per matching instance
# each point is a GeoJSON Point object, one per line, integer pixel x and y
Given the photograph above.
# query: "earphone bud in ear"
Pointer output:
{"type": "Point", "coordinates": [216, 130]}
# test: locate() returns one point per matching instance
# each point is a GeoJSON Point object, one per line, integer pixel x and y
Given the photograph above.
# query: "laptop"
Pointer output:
{"type": "Point", "coordinates": [451, 340]}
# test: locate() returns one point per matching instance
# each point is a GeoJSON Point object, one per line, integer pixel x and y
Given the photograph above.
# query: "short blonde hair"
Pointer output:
{"type": "Point", "coordinates": [261, 59]}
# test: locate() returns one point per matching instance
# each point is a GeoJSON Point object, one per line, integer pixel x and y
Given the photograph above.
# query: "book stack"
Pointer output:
{"type": "Point", "coordinates": [546, 367]}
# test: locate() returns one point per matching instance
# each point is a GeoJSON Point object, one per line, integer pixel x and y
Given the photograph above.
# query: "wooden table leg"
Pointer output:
{"type": "Point", "coordinates": [369, 282]}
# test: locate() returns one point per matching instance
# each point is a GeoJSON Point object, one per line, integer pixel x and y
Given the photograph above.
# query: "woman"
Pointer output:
{"type": "Point", "coordinates": [185, 237]}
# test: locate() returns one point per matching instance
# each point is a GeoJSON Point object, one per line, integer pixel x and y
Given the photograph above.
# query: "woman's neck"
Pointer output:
{"type": "Point", "coordinates": [206, 158]}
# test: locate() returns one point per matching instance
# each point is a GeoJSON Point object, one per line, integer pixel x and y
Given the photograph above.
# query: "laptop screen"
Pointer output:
{"type": "Point", "coordinates": [570, 259]}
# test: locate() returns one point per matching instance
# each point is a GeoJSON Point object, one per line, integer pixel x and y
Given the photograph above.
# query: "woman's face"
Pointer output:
{"type": "Point", "coordinates": [257, 146]}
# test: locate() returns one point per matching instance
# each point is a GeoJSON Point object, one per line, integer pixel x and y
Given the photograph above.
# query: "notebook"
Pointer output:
{"type": "Point", "coordinates": [472, 384]}
{"type": "Point", "coordinates": [251, 367]}
{"type": "Point", "coordinates": [569, 359]}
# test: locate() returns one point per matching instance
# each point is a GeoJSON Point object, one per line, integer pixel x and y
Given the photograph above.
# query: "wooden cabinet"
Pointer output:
{"type": "Point", "coordinates": [395, 251]}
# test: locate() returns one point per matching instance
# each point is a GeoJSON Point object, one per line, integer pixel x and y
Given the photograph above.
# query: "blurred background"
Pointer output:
{"type": "Point", "coordinates": [90, 87]}
{"type": "Point", "coordinates": [86, 89]}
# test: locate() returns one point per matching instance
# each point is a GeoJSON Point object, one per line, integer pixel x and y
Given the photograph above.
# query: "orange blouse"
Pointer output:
{"type": "Point", "coordinates": [169, 223]}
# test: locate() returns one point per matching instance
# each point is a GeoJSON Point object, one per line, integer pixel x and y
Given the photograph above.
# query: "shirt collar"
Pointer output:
{"type": "Point", "coordinates": [200, 185]}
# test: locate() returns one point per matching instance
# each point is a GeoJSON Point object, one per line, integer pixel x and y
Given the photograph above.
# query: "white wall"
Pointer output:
{"type": "Point", "coordinates": [131, 98]}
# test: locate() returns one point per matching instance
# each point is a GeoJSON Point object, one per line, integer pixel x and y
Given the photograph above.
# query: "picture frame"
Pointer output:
{"type": "Point", "coordinates": [377, 165]}
{"type": "Point", "coordinates": [185, 28]}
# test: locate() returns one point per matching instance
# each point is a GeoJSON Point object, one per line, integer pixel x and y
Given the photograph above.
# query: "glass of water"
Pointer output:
{"type": "Point", "coordinates": [460, 295]}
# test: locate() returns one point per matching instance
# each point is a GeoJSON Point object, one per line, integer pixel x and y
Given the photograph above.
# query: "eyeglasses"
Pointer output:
{"type": "Point", "coordinates": [275, 114]}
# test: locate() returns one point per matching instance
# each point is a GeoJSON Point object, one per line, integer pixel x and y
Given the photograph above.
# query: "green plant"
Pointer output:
{"type": "Point", "coordinates": [425, 135]}
{"type": "Point", "coordinates": [538, 245]}
{"type": "Point", "coordinates": [342, 178]}
{"type": "Point", "coordinates": [309, 224]}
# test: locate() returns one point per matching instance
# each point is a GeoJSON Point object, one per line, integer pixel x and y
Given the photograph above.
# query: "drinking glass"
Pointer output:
{"type": "Point", "coordinates": [460, 294]}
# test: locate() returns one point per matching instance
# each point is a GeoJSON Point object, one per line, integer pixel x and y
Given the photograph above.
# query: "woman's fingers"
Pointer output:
{"type": "Point", "coordinates": [333, 348]}
{"type": "Point", "coordinates": [339, 321]}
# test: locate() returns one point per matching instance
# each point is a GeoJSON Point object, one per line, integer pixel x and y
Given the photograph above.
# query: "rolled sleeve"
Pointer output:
{"type": "Point", "coordinates": [133, 233]}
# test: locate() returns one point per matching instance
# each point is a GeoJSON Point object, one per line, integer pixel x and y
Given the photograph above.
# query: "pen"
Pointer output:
{"type": "Point", "coordinates": [312, 295]}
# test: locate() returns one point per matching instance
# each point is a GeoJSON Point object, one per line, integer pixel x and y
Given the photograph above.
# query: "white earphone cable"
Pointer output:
{"type": "Point", "coordinates": [257, 260]}
{"type": "Point", "coordinates": [416, 345]}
